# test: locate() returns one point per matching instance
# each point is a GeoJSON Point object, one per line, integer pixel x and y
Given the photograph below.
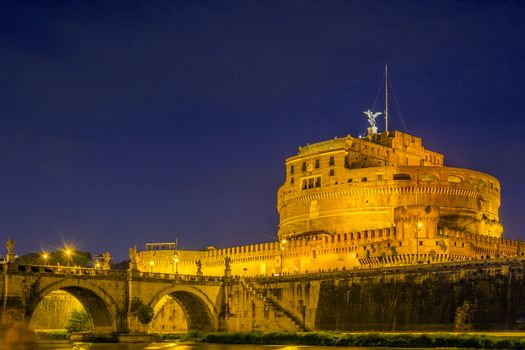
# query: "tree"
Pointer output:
{"type": "Point", "coordinates": [143, 312]}
{"type": "Point", "coordinates": [78, 258]}
{"type": "Point", "coordinates": [465, 316]}
{"type": "Point", "coordinates": [79, 321]}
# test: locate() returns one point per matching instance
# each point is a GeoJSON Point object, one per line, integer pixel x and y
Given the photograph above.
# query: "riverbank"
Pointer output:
{"type": "Point", "coordinates": [403, 340]}
{"type": "Point", "coordinates": [406, 340]}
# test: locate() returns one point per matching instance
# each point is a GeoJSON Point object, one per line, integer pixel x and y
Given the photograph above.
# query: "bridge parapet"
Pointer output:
{"type": "Point", "coordinates": [85, 271]}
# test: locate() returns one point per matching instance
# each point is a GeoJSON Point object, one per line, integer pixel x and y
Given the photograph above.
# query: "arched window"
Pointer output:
{"type": "Point", "coordinates": [454, 178]}
{"type": "Point", "coordinates": [429, 177]}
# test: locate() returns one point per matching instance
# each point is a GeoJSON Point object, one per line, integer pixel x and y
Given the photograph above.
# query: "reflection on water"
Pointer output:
{"type": "Point", "coordinates": [173, 346]}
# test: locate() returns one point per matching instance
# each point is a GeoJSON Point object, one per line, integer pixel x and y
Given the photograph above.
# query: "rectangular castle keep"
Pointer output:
{"type": "Point", "coordinates": [354, 202]}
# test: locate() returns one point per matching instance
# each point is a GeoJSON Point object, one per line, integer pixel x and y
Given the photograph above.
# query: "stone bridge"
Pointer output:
{"type": "Point", "coordinates": [109, 296]}
{"type": "Point", "coordinates": [487, 294]}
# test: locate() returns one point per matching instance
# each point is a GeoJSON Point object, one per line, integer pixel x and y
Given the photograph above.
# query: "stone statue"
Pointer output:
{"type": "Point", "coordinates": [10, 246]}
{"type": "Point", "coordinates": [372, 117]}
{"type": "Point", "coordinates": [228, 262]}
{"type": "Point", "coordinates": [133, 258]}
{"type": "Point", "coordinates": [133, 255]}
{"type": "Point", "coordinates": [106, 263]}
{"type": "Point", "coordinates": [199, 267]}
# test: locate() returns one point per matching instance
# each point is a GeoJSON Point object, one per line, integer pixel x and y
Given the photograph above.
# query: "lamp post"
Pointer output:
{"type": "Point", "coordinates": [44, 257]}
{"type": "Point", "coordinates": [68, 255]}
{"type": "Point", "coordinates": [176, 263]}
{"type": "Point", "coordinates": [283, 242]}
{"type": "Point", "coordinates": [418, 227]}
{"type": "Point", "coordinates": [151, 263]}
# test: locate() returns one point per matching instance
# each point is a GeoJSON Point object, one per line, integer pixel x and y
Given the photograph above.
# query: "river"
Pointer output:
{"type": "Point", "coordinates": [173, 346]}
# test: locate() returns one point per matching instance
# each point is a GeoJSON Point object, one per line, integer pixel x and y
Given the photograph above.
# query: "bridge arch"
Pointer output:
{"type": "Point", "coordinates": [99, 305]}
{"type": "Point", "coordinates": [201, 313]}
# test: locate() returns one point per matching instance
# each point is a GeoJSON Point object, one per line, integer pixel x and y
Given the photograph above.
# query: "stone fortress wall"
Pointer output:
{"type": "Point", "coordinates": [347, 203]}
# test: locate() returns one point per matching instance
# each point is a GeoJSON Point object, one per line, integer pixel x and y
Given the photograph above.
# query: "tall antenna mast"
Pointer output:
{"type": "Point", "coordinates": [386, 97]}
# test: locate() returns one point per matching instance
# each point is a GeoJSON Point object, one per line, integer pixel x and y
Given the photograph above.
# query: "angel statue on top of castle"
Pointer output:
{"type": "Point", "coordinates": [372, 117]}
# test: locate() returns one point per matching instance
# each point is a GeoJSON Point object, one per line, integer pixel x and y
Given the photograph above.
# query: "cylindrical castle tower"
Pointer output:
{"type": "Point", "coordinates": [353, 184]}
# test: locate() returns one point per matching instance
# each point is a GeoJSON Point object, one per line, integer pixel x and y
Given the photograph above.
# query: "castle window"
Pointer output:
{"type": "Point", "coordinates": [453, 178]}
{"type": "Point", "coordinates": [402, 177]}
{"type": "Point", "coordinates": [317, 163]}
{"type": "Point", "coordinates": [332, 172]}
{"type": "Point", "coordinates": [349, 181]}
{"type": "Point", "coordinates": [310, 183]}
{"type": "Point", "coordinates": [331, 161]}
{"type": "Point", "coordinates": [344, 237]}
{"type": "Point", "coordinates": [379, 177]}
{"type": "Point", "coordinates": [429, 177]}
{"type": "Point", "coordinates": [291, 181]}
{"type": "Point", "coordinates": [364, 179]}
{"type": "Point", "coordinates": [292, 168]}
{"type": "Point", "coordinates": [304, 166]}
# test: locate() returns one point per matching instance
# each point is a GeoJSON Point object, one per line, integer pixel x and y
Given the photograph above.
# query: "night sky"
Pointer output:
{"type": "Point", "coordinates": [126, 122]}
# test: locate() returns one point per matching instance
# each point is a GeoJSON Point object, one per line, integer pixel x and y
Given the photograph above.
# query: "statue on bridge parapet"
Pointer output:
{"type": "Point", "coordinates": [10, 246]}
{"type": "Point", "coordinates": [133, 258]}
{"type": "Point", "coordinates": [106, 263]}
{"type": "Point", "coordinates": [199, 267]}
{"type": "Point", "coordinates": [227, 263]}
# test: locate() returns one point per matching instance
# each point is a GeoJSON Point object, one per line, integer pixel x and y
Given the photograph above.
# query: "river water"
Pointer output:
{"type": "Point", "coordinates": [173, 346]}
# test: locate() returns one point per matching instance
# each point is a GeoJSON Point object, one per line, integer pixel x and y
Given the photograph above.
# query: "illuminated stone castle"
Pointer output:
{"type": "Point", "coordinates": [372, 201]}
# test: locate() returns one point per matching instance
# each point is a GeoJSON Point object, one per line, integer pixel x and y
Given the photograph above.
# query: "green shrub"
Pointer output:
{"type": "Point", "coordinates": [79, 321]}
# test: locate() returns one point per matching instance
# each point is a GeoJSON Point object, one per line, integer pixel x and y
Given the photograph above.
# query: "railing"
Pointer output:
{"type": "Point", "coordinates": [87, 271]}
{"type": "Point", "coordinates": [179, 277]}
{"type": "Point", "coordinates": [358, 272]}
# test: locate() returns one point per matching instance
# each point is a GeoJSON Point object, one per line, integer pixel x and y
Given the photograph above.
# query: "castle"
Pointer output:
{"type": "Point", "coordinates": [362, 202]}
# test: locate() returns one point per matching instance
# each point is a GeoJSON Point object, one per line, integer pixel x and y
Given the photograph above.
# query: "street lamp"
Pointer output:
{"type": "Point", "coordinates": [151, 263]}
{"type": "Point", "coordinates": [176, 263]}
{"type": "Point", "coordinates": [418, 227]}
{"type": "Point", "coordinates": [283, 242]}
{"type": "Point", "coordinates": [44, 257]}
{"type": "Point", "coordinates": [68, 252]}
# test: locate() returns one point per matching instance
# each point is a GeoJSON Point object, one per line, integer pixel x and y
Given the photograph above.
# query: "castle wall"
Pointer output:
{"type": "Point", "coordinates": [404, 244]}
{"type": "Point", "coordinates": [361, 199]}
{"type": "Point", "coordinates": [439, 297]}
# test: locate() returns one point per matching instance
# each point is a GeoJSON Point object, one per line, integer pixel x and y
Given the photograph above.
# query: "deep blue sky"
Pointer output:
{"type": "Point", "coordinates": [124, 122]}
